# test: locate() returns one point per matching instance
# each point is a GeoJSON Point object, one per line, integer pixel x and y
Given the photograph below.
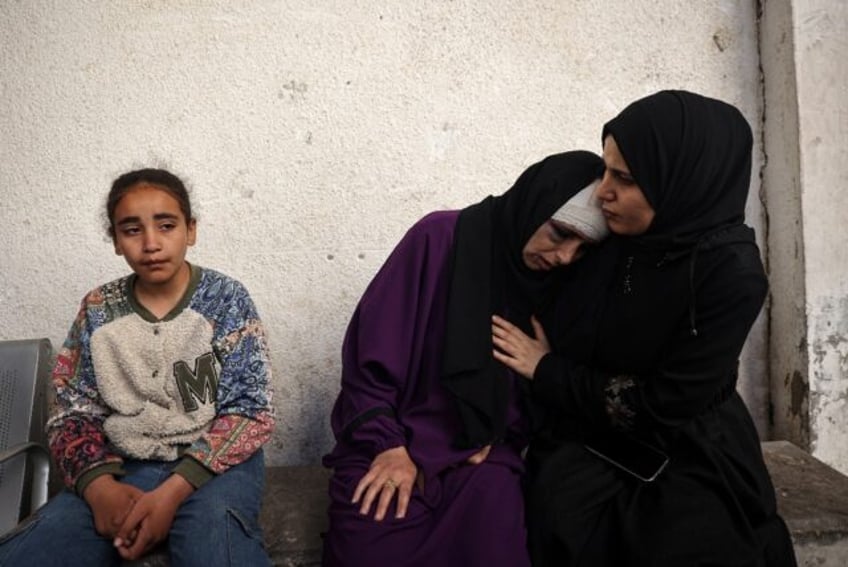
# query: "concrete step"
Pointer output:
{"type": "Point", "coordinates": [293, 517]}
{"type": "Point", "coordinates": [813, 500]}
{"type": "Point", "coordinates": [294, 514]}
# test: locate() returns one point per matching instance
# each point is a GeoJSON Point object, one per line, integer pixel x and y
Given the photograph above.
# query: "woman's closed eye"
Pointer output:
{"type": "Point", "coordinates": [559, 233]}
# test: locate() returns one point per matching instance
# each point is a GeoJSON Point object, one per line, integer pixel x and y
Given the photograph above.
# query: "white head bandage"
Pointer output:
{"type": "Point", "coordinates": [582, 213]}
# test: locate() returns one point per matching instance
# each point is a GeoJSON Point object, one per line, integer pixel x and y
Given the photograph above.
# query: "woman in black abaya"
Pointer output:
{"type": "Point", "coordinates": [646, 345]}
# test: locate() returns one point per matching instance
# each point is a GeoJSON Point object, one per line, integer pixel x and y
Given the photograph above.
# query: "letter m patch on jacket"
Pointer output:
{"type": "Point", "coordinates": [199, 385]}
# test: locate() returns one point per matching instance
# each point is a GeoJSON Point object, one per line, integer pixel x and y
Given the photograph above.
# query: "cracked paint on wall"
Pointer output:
{"type": "Point", "coordinates": [828, 382]}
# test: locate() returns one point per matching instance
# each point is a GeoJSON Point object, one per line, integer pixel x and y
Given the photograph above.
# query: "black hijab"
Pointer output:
{"type": "Point", "coordinates": [691, 156]}
{"type": "Point", "coordinates": [488, 275]}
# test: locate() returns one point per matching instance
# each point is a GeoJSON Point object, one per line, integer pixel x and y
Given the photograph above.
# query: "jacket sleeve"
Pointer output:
{"type": "Point", "coordinates": [75, 428]}
{"type": "Point", "coordinates": [693, 372]}
{"type": "Point", "coordinates": [383, 346]}
{"type": "Point", "coordinates": [244, 419]}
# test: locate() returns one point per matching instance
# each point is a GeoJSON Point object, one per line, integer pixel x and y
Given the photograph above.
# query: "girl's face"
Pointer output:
{"type": "Point", "coordinates": [553, 244]}
{"type": "Point", "coordinates": [623, 203]}
{"type": "Point", "coordinates": [153, 235]}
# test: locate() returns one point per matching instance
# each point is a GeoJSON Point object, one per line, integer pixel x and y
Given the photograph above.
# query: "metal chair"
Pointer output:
{"type": "Point", "coordinates": [24, 370]}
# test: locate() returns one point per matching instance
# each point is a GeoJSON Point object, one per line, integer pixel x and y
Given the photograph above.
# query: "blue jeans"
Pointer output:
{"type": "Point", "coordinates": [217, 525]}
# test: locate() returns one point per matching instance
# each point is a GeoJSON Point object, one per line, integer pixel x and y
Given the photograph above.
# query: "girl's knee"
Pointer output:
{"type": "Point", "coordinates": [217, 536]}
{"type": "Point", "coordinates": [60, 533]}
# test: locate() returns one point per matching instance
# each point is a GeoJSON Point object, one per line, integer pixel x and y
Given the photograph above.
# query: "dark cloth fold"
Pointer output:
{"type": "Point", "coordinates": [488, 276]}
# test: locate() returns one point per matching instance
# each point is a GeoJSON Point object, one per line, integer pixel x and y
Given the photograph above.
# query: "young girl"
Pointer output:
{"type": "Point", "coordinates": [162, 404]}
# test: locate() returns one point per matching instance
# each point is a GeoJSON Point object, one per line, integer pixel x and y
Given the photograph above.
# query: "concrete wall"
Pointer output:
{"type": "Point", "coordinates": [313, 134]}
{"type": "Point", "coordinates": [785, 238]}
{"type": "Point", "coordinates": [806, 69]}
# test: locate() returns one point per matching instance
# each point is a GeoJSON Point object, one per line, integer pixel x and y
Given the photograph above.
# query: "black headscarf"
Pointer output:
{"type": "Point", "coordinates": [488, 275]}
{"type": "Point", "coordinates": [691, 156]}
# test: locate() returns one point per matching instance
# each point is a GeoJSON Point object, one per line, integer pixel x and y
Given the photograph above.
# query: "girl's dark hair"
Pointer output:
{"type": "Point", "coordinates": [159, 177]}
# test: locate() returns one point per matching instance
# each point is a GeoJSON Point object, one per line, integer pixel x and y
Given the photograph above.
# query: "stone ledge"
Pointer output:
{"type": "Point", "coordinates": [294, 514]}
{"type": "Point", "coordinates": [813, 500]}
{"type": "Point", "coordinates": [811, 496]}
{"type": "Point", "coordinates": [293, 517]}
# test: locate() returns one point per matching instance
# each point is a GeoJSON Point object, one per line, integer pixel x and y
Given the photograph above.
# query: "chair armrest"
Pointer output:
{"type": "Point", "coordinates": [40, 469]}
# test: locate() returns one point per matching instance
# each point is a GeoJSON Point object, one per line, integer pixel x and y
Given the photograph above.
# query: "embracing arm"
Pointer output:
{"type": "Point", "coordinates": [693, 372]}
{"type": "Point", "coordinates": [520, 352]}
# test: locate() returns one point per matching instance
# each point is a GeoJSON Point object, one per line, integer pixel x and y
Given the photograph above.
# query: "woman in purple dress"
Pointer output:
{"type": "Point", "coordinates": [429, 427]}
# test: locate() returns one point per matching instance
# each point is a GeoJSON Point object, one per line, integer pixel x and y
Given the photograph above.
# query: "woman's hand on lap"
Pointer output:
{"type": "Point", "coordinates": [392, 473]}
{"type": "Point", "coordinates": [479, 456]}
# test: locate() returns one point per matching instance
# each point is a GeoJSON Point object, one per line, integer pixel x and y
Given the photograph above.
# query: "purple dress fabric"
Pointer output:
{"type": "Point", "coordinates": [391, 396]}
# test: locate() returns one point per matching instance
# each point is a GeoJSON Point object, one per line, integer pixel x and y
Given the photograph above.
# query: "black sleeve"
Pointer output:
{"type": "Point", "coordinates": [694, 371]}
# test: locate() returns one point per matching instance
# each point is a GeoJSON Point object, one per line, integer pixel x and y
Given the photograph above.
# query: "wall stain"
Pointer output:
{"type": "Point", "coordinates": [797, 394]}
{"type": "Point", "coordinates": [835, 340]}
{"type": "Point", "coordinates": [831, 338]}
{"type": "Point", "coordinates": [722, 39]}
{"type": "Point", "coordinates": [293, 90]}
{"type": "Point", "coordinates": [242, 185]}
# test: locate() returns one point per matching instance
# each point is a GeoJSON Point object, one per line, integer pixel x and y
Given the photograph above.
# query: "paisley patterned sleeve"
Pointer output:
{"type": "Point", "coordinates": [75, 427]}
{"type": "Point", "coordinates": [244, 417]}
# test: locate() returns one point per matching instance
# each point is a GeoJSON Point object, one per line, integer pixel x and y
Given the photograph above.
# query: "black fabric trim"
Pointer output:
{"type": "Point", "coordinates": [488, 276]}
{"type": "Point", "coordinates": [347, 432]}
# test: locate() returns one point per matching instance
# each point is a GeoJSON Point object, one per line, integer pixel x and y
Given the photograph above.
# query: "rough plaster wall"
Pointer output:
{"type": "Point", "coordinates": [782, 191]}
{"type": "Point", "coordinates": [821, 60]}
{"type": "Point", "coordinates": [313, 134]}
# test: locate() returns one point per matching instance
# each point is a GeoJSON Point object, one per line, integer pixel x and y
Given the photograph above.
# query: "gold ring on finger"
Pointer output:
{"type": "Point", "coordinates": [390, 484]}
